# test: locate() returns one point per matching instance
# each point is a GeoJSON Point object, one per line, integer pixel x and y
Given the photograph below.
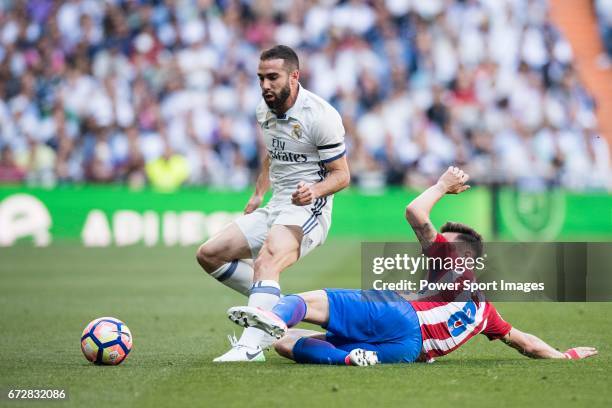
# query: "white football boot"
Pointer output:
{"type": "Point", "coordinates": [361, 357]}
{"type": "Point", "coordinates": [248, 316]}
{"type": "Point", "coordinates": [267, 342]}
{"type": "Point", "coordinates": [241, 353]}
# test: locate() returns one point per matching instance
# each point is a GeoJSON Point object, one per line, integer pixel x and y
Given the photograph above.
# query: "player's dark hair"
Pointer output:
{"type": "Point", "coordinates": [466, 234]}
{"type": "Point", "coordinates": [290, 58]}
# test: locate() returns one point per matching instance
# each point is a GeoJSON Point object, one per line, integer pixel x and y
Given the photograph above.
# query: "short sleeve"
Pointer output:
{"type": "Point", "coordinates": [328, 135]}
{"type": "Point", "coordinates": [496, 327]}
{"type": "Point", "coordinates": [261, 112]}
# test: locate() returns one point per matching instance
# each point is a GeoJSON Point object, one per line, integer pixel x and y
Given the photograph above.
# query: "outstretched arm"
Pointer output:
{"type": "Point", "coordinates": [261, 186]}
{"type": "Point", "coordinates": [417, 212]}
{"type": "Point", "coordinates": [534, 347]}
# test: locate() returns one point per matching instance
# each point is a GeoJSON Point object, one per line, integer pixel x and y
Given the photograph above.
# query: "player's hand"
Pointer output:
{"type": "Point", "coordinates": [253, 204]}
{"type": "Point", "coordinates": [453, 181]}
{"type": "Point", "coordinates": [303, 194]}
{"type": "Point", "coordinates": [578, 353]}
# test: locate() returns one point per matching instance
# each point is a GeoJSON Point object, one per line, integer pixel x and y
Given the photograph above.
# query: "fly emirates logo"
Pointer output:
{"type": "Point", "coordinates": [279, 153]}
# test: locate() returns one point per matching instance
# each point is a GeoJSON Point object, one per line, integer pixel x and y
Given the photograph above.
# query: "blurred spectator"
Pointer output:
{"type": "Point", "coordinates": [168, 172]}
{"type": "Point", "coordinates": [95, 91]}
{"type": "Point", "coordinates": [38, 160]}
{"type": "Point", "coordinates": [131, 165]}
{"type": "Point", "coordinates": [9, 171]}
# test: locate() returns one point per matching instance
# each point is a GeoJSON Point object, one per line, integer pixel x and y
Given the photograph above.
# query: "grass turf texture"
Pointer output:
{"type": "Point", "coordinates": [177, 317]}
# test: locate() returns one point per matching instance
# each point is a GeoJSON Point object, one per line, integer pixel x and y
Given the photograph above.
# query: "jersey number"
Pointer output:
{"type": "Point", "coordinates": [459, 321]}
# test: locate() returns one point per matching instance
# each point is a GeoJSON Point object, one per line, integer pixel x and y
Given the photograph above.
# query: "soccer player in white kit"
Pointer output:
{"type": "Point", "coordinates": [305, 165]}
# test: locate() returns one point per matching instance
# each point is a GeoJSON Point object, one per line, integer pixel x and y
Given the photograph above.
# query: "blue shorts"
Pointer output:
{"type": "Point", "coordinates": [380, 321]}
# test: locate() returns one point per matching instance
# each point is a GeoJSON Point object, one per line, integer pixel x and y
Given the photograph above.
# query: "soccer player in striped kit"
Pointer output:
{"type": "Point", "coordinates": [370, 327]}
{"type": "Point", "coordinates": [305, 165]}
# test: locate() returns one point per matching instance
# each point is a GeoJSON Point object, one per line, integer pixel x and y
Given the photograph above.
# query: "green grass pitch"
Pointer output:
{"type": "Point", "coordinates": [177, 317]}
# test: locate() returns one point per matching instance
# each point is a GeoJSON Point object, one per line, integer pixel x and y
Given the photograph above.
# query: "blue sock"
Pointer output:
{"type": "Point", "coordinates": [314, 351]}
{"type": "Point", "coordinates": [291, 309]}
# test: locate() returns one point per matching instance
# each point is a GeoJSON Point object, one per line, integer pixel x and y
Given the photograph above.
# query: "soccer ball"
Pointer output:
{"type": "Point", "coordinates": [106, 341]}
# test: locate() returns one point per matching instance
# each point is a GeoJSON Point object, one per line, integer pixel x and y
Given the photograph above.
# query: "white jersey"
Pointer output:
{"type": "Point", "coordinates": [300, 142]}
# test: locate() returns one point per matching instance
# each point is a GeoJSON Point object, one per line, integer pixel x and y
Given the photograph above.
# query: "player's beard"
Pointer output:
{"type": "Point", "coordinates": [280, 98]}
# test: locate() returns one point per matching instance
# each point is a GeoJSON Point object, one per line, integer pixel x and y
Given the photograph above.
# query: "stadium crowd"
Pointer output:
{"type": "Point", "coordinates": [164, 92]}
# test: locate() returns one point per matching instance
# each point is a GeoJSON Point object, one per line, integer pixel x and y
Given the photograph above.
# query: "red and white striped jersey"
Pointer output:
{"type": "Point", "coordinates": [445, 326]}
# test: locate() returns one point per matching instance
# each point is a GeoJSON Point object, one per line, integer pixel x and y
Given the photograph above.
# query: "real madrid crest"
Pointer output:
{"type": "Point", "coordinates": [297, 131]}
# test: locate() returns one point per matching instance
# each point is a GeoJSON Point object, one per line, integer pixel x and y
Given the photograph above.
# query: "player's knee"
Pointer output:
{"type": "Point", "coordinates": [317, 306]}
{"type": "Point", "coordinates": [276, 254]}
{"type": "Point", "coordinates": [284, 346]}
{"type": "Point", "coordinates": [272, 250]}
{"type": "Point", "coordinates": [282, 244]}
{"type": "Point", "coordinates": [207, 257]}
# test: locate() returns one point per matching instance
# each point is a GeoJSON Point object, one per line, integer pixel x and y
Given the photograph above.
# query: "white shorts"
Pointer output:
{"type": "Point", "coordinates": [313, 219]}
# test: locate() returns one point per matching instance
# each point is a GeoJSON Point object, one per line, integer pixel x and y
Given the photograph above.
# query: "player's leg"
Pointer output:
{"type": "Point", "coordinates": [284, 346]}
{"type": "Point", "coordinates": [308, 347]}
{"type": "Point", "coordinates": [305, 346]}
{"type": "Point", "coordinates": [323, 307]}
{"type": "Point", "coordinates": [224, 255]}
{"type": "Point", "coordinates": [312, 307]}
{"type": "Point", "coordinates": [311, 347]}
{"type": "Point", "coordinates": [295, 232]}
{"type": "Point", "coordinates": [399, 351]}
{"type": "Point", "coordinates": [280, 250]}
{"type": "Point", "coordinates": [381, 322]}
{"type": "Point", "coordinates": [376, 321]}
{"type": "Point", "coordinates": [292, 235]}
